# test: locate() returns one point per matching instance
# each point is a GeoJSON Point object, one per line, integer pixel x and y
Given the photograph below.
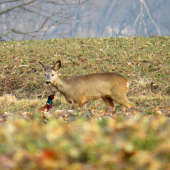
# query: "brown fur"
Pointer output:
{"type": "Point", "coordinates": [111, 87]}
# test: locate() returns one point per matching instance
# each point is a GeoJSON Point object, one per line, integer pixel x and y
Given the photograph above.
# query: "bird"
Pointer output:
{"type": "Point", "coordinates": [48, 105]}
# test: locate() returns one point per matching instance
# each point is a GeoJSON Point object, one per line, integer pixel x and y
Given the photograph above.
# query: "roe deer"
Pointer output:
{"type": "Point", "coordinates": [111, 87]}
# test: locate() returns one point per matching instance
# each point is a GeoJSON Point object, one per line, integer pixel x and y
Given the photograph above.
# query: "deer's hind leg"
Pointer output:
{"type": "Point", "coordinates": [108, 102]}
{"type": "Point", "coordinates": [121, 99]}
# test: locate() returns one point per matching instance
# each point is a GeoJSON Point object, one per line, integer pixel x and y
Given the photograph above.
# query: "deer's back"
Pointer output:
{"type": "Point", "coordinates": [109, 78]}
{"type": "Point", "coordinates": [97, 83]}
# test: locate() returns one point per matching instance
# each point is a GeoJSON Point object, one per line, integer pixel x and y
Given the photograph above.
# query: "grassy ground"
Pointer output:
{"type": "Point", "coordinates": [144, 61]}
{"type": "Point", "coordinates": [94, 138]}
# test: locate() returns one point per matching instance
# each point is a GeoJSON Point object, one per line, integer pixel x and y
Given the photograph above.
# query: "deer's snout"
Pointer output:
{"type": "Point", "coordinates": [48, 82]}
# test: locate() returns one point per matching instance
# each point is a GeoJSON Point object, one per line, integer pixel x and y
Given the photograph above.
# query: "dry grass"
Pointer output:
{"type": "Point", "coordinates": [134, 143]}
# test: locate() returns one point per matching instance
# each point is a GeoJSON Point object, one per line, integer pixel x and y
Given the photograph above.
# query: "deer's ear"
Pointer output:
{"type": "Point", "coordinates": [43, 66]}
{"type": "Point", "coordinates": [57, 65]}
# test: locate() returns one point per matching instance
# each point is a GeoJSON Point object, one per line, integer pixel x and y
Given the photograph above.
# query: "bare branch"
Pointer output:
{"type": "Point", "coordinates": [36, 11]}
{"type": "Point", "coordinates": [5, 34]}
{"type": "Point", "coordinates": [17, 6]}
{"type": "Point", "coordinates": [7, 1]}
{"type": "Point", "coordinates": [147, 9]}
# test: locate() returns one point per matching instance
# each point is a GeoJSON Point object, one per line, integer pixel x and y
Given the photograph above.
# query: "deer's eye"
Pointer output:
{"type": "Point", "coordinates": [45, 75]}
{"type": "Point", "coordinates": [52, 74]}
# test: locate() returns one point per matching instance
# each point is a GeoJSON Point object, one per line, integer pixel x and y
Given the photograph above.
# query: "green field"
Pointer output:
{"type": "Point", "coordinates": [94, 138]}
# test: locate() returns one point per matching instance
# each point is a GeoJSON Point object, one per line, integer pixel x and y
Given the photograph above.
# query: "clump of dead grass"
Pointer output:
{"type": "Point", "coordinates": [7, 100]}
{"type": "Point", "coordinates": [140, 86]}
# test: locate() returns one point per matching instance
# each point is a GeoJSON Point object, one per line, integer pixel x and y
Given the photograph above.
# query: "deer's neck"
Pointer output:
{"type": "Point", "coordinates": [60, 84]}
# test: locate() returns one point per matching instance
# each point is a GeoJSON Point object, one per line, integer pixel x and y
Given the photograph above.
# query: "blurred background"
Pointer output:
{"type": "Point", "coordinates": [47, 19]}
